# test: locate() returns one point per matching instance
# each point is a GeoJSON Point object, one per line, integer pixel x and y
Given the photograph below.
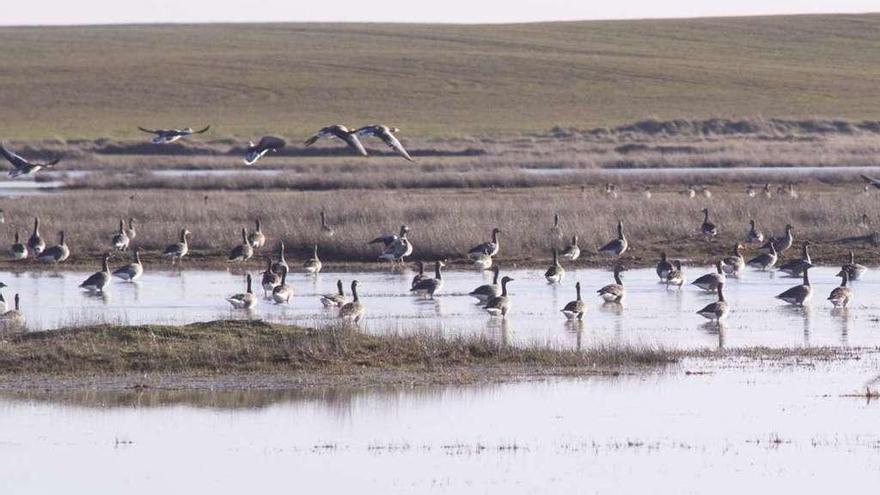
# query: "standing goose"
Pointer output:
{"type": "Point", "coordinates": [754, 236]}
{"type": "Point", "coordinates": [663, 267]}
{"type": "Point", "coordinates": [340, 132]}
{"type": "Point", "coordinates": [386, 134]}
{"type": "Point", "coordinates": [256, 151]}
{"type": "Point", "coordinates": [354, 310]}
{"type": "Point", "coordinates": [555, 273]}
{"type": "Point", "coordinates": [499, 305]}
{"type": "Point", "coordinates": [487, 291]}
{"type": "Point", "coordinates": [313, 265]}
{"type": "Point", "coordinates": [708, 228]}
{"type": "Point", "coordinates": [247, 300]}
{"type": "Point", "coordinates": [618, 246]}
{"type": "Point", "coordinates": [487, 248]}
{"type": "Point", "coordinates": [36, 243]}
{"type": "Point", "coordinates": [165, 136]}
{"type": "Point", "coordinates": [614, 292]}
{"type": "Point", "coordinates": [130, 230]}
{"type": "Point", "coordinates": [131, 271]}
{"type": "Point", "coordinates": [282, 292]}
{"type": "Point", "coordinates": [179, 249]}
{"type": "Point", "coordinates": [750, 191]}
{"type": "Point", "coordinates": [98, 281]}
{"type": "Point", "coordinates": [22, 167]}
{"type": "Point", "coordinates": [764, 261]}
{"type": "Point", "coordinates": [853, 270]}
{"type": "Point", "coordinates": [841, 296]}
{"type": "Point", "coordinates": [243, 251]}
{"type": "Point", "coordinates": [717, 310]}
{"type": "Point", "coordinates": [572, 251]}
{"type": "Point", "coordinates": [14, 317]}
{"type": "Point", "coordinates": [326, 229]}
{"type": "Point", "coordinates": [734, 264]}
{"type": "Point", "coordinates": [676, 276]}
{"type": "Point", "coordinates": [281, 264]}
{"type": "Point", "coordinates": [270, 278]}
{"type": "Point", "coordinates": [419, 276]}
{"type": "Point", "coordinates": [690, 192]}
{"type": "Point", "coordinates": [19, 249]}
{"type": "Point", "coordinates": [781, 243]}
{"type": "Point", "coordinates": [430, 286]}
{"type": "Point", "coordinates": [577, 308]}
{"type": "Point", "coordinates": [710, 281]}
{"type": "Point", "coordinates": [120, 239]}
{"type": "Point", "coordinates": [334, 300]}
{"type": "Point", "coordinates": [796, 266]}
{"type": "Point", "coordinates": [799, 294]}
{"type": "Point", "coordinates": [57, 253]}
{"type": "Point", "coordinates": [646, 192]}
{"type": "Point", "coordinates": [768, 193]}
{"type": "Point", "coordinates": [256, 238]}
{"type": "Point", "coordinates": [556, 230]}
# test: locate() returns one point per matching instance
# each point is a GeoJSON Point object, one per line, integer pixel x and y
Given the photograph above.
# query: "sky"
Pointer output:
{"type": "Point", "coordinates": [39, 12]}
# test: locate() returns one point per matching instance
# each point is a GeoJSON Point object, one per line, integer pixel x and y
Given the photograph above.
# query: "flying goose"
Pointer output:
{"type": "Point", "coordinates": [281, 264]}
{"type": "Point", "coordinates": [120, 239]}
{"type": "Point", "coordinates": [57, 253]}
{"type": "Point", "coordinates": [430, 286]}
{"type": "Point", "coordinates": [614, 292]}
{"type": "Point", "coordinates": [486, 291]}
{"type": "Point", "coordinates": [256, 238]}
{"type": "Point", "coordinates": [19, 249]}
{"type": "Point", "coordinates": [499, 305]}
{"type": "Point", "coordinates": [271, 279]}
{"type": "Point", "coordinates": [717, 310]}
{"type": "Point", "coordinates": [313, 265]}
{"type": "Point", "coordinates": [796, 266]}
{"type": "Point", "coordinates": [555, 273]}
{"type": "Point", "coordinates": [419, 276]}
{"type": "Point", "coordinates": [871, 181]}
{"type": "Point", "coordinates": [841, 296]}
{"type": "Point", "coordinates": [663, 267]}
{"type": "Point", "coordinates": [281, 293]}
{"type": "Point", "coordinates": [36, 243]}
{"type": "Point", "coordinates": [14, 317]}
{"type": "Point", "coordinates": [247, 300]}
{"type": "Point", "coordinates": [734, 264]}
{"type": "Point", "coordinates": [676, 275]}
{"type": "Point", "coordinates": [334, 300]}
{"type": "Point", "coordinates": [754, 236]}
{"type": "Point", "coordinates": [325, 228]}
{"type": "Point", "coordinates": [487, 248]}
{"type": "Point", "coordinates": [572, 251]}
{"type": "Point", "coordinates": [708, 228]}
{"type": "Point", "coordinates": [799, 294]}
{"type": "Point", "coordinates": [341, 132]}
{"type": "Point", "coordinates": [98, 281]}
{"type": "Point", "coordinates": [618, 246]}
{"type": "Point", "coordinates": [556, 230]}
{"type": "Point", "coordinates": [131, 271]}
{"type": "Point", "coordinates": [243, 251]}
{"type": "Point", "coordinates": [164, 136]}
{"type": "Point", "coordinates": [387, 240]}
{"type": "Point", "coordinates": [179, 249]}
{"type": "Point", "coordinates": [764, 261]}
{"type": "Point", "coordinates": [354, 310]}
{"type": "Point", "coordinates": [399, 249]}
{"type": "Point", "coordinates": [386, 134]}
{"type": "Point", "coordinates": [22, 167]}
{"type": "Point", "coordinates": [853, 270]}
{"type": "Point", "coordinates": [577, 308]}
{"type": "Point", "coordinates": [781, 243]}
{"type": "Point", "coordinates": [130, 230]}
{"type": "Point", "coordinates": [256, 151]}
{"type": "Point", "coordinates": [710, 281]}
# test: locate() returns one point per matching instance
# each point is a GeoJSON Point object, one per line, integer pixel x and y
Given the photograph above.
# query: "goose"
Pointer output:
{"type": "Point", "coordinates": [791, 192]}
{"type": "Point", "coordinates": [120, 239]}
{"type": "Point", "coordinates": [611, 190]}
{"type": "Point", "coordinates": [841, 296]}
{"type": "Point", "coordinates": [499, 305]}
{"type": "Point", "coordinates": [853, 270]}
{"type": "Point", "coordinates": [256, 151]}
{"type": "Point", "coordinates": [572, 251]}
{"type": "Point", "coordinates": [179, 249]}
{"type": "Point", "coordinates": [799, 294]}
{"type": "Point", "coordinates": [871, 181]}
{"type": "Point", "coordinates": [555, 273]}
{"type": "Point", "coordinates": [19, 249]}
{"type": "Point", "coordinates": [388, 240]}
{"type": "Point", "coordinates": [754, 236]}
{"type": "Point", "coordinates": [865, 221]}
{"type": "Point", "coordinates": [577, 308]}
{"type": "Point", "coordinates": [487, 248]}
{"type": "Point", "coordinates": [708, 228]}
{"type": "Point", "coordinates": [710, 281]}
{"type": "Point", "coordinates": [22, 167]}
{"type": "Point", "coordinates": [36, 243]}
{"type": "Point", "coordinates": [690, 192]}
{"type": "Point", "coordinates": [717, 310]}
{"type": "Point", "coordinates": [399, 249]}
{"type": "Point", "coordinates": [247, 300]}
{"type": "Point", "coordinates": [270, 277]}
{"type": "Point", "coordinates": [57, 253]}
{"type": "Point", "coordinates": [764, 261]}
{"type": "Point", "coordinates": [676, 275]}
{"type": "Point", "coordinates": [556, 230]}
{"type": "Point", "coordinates": [256, 238]}
{"type": "Point", "coordinates": [340, 132]}
{"type": "Point", "coordinates": [618, 246]}
{"type": "Point", "coordinates": [419, 276]}
{"type": "Point", "coordinates": [430, 286]}
{"type": "Point", "coordinates": [165, 136]}
{"type": "Point", "coordinates": [487, 291]}
{"type": "Point", "coordinates": [767, 192]}
{"type": "Point", "coordinates": [131, 271]}
{"type": "Point", "coordinates": [646, 192]}
{"type": "Point", "coordinates": [614, 292]}
{"type": "Point", "coordinates": [130, 230]}
{"type": "Point", "coordinates": [663, 267]}
{"type": "Point", "coordinates": [386, 134]}
{"type": "Point", "coordinates": [3, 307]}
{"type": "Point", "coordinates": [750, 191]}
{"type": "Point", "coordinates": [354, 310]}
{"type": "Point", "coordinates": [281, 264]}
{"type": "Point", "coordinates": [334, 300]}
{"type": "Point", "coordinates": [707, 193]}
{"type": "Point", "coordinates": [326, 229]}
{"type": "Point", "coordinates": [796, 266]}
{"type": "Point", "coordinates": [243, 251]}
{"type": "Point", "coordinates": [98, 281]}
{"type": "Point", "coordinates": [14, 317]}
{"type": "Point", "coordinates": [281, 293]}
{"type": "Point", "coordinates": [313, 265]}
{"type": "Point", "coordinates": [483, 262]}
{"type": "Point", "coordinates": [735, 263]}
{"type": "Point", "coordinates": [781, 243]}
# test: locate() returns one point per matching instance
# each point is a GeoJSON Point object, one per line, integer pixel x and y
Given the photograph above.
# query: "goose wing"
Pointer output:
{"type": "Point", "coordinates": [201, 131]}
{"type": "Point", "coordinates": [95, 280]}
{"type": "Point", "coordinates": [872, 181]}
{"type": "Point", "coordinates": [271, 143]}
{"type": "Point", "coordinates": [387, 240]}
{"type": "Point", "coordinates": [16, 161]}
{"type": "Point", "coordinates": [484, 248]}
{"type": "Point", "coordinates": [394, 143]}
{"type": "Point", "coordinates": [353, 142]}
{"type": "Point", "coordinates": [151, 131]}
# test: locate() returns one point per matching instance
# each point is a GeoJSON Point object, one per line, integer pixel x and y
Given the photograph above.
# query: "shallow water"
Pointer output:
{"type": "Point", "coordinates": [650, 313]}
{"type": "Point", "coordinates": [771, 428]}
{"type": "Point", "coordinates": [758, 173]}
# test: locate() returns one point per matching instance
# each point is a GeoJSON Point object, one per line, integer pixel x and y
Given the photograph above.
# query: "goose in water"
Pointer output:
{"type": "Point", "coordinates": [120, 239]}
{"type": "Point", "coordinates": [386, 134]}
{"type": "Point", "coordinates": [179, 249]}
{"type": "Point", "coordinates": [555, 273]}
{"type": "Point", "coordinates": [499, 305]}
{"type": "Point", "coordinates": [717, 310]}
{"type": "Point", "coordinates": [708, 228]}
{"type": "Point", "coordinates": [783, 243]}
{"type": "Point", "coordinates": [799, 294]}
{"type": "Point", "coordinates": [796, 266]}
{"type": "Point", "coordinates": [487, 248]}
{"type": "Point", "coordinates": [487, 291]}
{"type": "Point", "coordinates": [19, 249]}
{"type": "Point", "coordinates": [36, 243]}
{"type": "Point", "coordinates": [334, 300]}
{"type": "Point", "coordinates": [340, 132]}
{"type": "Point", "coordinates": [735, 263]}
{"type": "Point", "coordinates": [614, 292]}
{"type": "Point", "coordinates": [325, 228]}
{"type": "Point", "coordinates": [556, 230]}
{"type": "Point", "coordinates": [14, 317]}
{"type": "Point", "coordinates": [282, 292]}
{"type": "Point", "coordinates": [270, 278]}
{"type": "Point", "coordinates": [764, 261]}
{"type": "Point", "coordinates": [22, 167]}
{"type": "Point", "coordinates": [710, 281]}
{"type": "Point", "coordinates": [313, 265]}
{"type": "Point", "coordinates": [243, 251]}
{"type": "Point", "coordinates": [131, 271]}
{"type": "Point", "coordinates": [663, 267]}
{"type": "Point", "coordinates": [256, 238]}
{"type": "Point", "coordinates": [130, 230]}
{"type": "Point", "coordinates": [256, 151]}
{"type": "Point", "coordinates": [618, 246]}
{"type": "Point", "coordinates": [572, 251]}
{"type": "Point", "coordinates": [430, 286]}
{"type": "Point", "coordinates": [165, 136]}
{"type": "Point", "coordinates": [754, 236]}
{"type": "Point", "coordinates": [841, 296]}
{"type": "Point", "coordinates": [419, 276]}
{"type": "Point", "coordinates": [354, 310]}
{"type": "Point", "coordinates": [676, 275]}
{"type": "Point", "coordinates": [98, 281]}
{"type": "Point", "coordinates": [853, 270]}
{"type": "Point", "coordinates": [281, 264]}
{"type": "Point", "coordinates": [577, 308]}
{"type": "Point", "coordinates": [57, 253]}
{"type": "Point", "coordinates": [246, 300]}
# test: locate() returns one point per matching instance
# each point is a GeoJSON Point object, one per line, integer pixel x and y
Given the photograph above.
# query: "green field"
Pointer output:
{"type": "Point", "coordinates": [433, 80]}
